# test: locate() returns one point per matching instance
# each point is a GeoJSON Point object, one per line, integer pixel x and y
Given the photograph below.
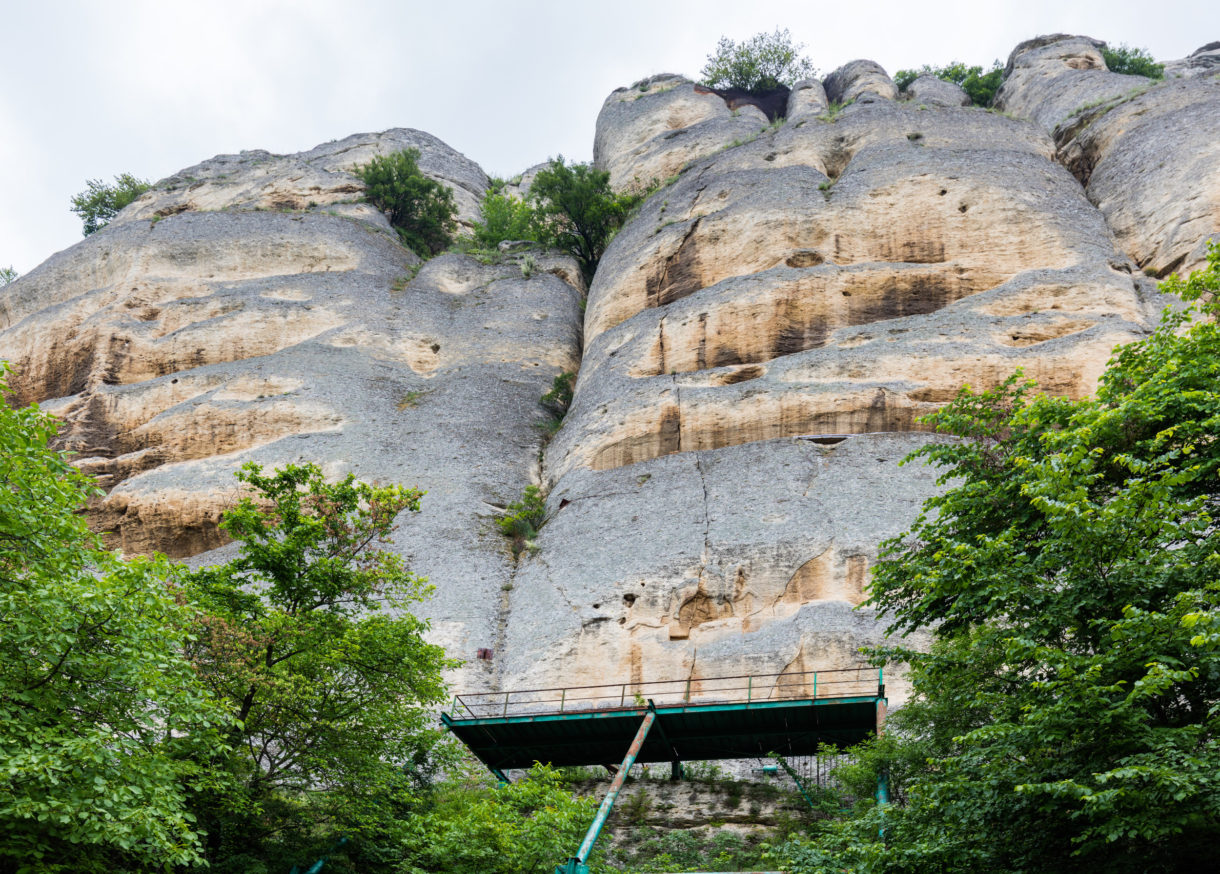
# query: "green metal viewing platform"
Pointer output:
{"type": "Point", "coordinates": [789, 714]}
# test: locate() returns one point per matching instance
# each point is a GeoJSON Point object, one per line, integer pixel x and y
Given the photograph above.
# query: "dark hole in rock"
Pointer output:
{"type": "Point", "coordinates": [963, 208]}
{"type": "Point", "coordinates": [563, 503]}
{"type": "Point", "coordinates": [436, 347]}
{"type": "Point", "coordinates": [629, 599]}
{"type": "Point", "coordinates": [805, 258]}
{"type": "Point", "coordinates": [826, 439]}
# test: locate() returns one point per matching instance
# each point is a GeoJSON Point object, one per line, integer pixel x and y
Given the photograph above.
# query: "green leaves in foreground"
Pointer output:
{"type": "Point", "coordinates": [1067, 717]}
{"type": "Point", "coordinates": [306, 639]}
{"type": "Point", "coordinates": [101, 717]}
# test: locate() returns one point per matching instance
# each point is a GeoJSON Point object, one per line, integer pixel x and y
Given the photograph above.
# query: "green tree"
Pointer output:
{"type": "Point", "coordinates": [99, 203]}
{"type": "Point", "coordinates": [421, 209]}
{"type": "Point", "coordinates": [7, 275]}
{"type": "Point", "coordinates": [526, 827]}
{"type": "Point", "coordinates": [306, 639]}
{"type": "Point", "coordinates": [575, 210]}
{"type": "Point", "coordinates": [761, 63]}
{"type": "Point", "coordinates": [1067, 717]}
{"type": "Point", "coordinates": [504, 218]}
{"type": "Point", "coordinates": [101, 717]}
{"type": "Point", "coordinates": [981, 85]}
{"type": "Point", "coordinates": [1133, 62]}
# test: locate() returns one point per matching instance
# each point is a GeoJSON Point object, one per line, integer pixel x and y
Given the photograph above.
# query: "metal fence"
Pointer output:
{"type": "Point", "coordinates": [837, 683]}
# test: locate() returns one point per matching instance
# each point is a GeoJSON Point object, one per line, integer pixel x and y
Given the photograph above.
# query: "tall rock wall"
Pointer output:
{"type": "Point", "coordinates": [754, 354]}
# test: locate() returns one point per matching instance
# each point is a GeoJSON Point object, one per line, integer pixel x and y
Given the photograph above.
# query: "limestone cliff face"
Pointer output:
{"type": "Point", "coordinates": [757, 347]}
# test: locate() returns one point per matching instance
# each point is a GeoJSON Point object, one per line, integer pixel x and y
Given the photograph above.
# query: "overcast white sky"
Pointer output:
{"type": "Point", "coordinates": [93, 89]}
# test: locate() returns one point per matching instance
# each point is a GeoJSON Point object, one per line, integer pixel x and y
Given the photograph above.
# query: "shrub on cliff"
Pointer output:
{"type": "Point", "coordinates": [761, 63]}
{"type": "Point", "coordinates": [7, 275]}
{"type": "Point", "coordinates": [981, 85]}
{"type": "Point", "coordinates": [421, 209]}
{"type": "Point", "coordinates": [99, 203]}
{"type": "Point", "coordinates": [1133, 62]}
{"type": "Point", "coordinates": [575, 210]}
{"type": "Point", "coordinates": [504, 218]}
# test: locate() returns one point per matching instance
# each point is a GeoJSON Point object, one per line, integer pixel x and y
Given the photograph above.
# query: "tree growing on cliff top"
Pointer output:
{"type": "Point", "coordinates": [979, 84]}
{"type": "Point", "coordinates": [575, 210]}
{"type": "Point", "coordinates": [761, 63]}
{"type": "Point", "coordinates": [1067, 717]}
{"type": "Point", "coordinates": [99, 203]}
{"type": "Point", "coordinates": [421, 209]}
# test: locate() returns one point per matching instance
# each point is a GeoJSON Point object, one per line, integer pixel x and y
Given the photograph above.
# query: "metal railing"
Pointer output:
{"type": "Point", "coordinates": [747, 689]}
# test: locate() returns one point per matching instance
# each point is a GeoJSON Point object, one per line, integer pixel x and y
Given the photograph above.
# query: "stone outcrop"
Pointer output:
{"type": "Point", "coordinates": [179, 349]}
{"type": "Point", "coordinates": [754, 354]}
{"type": "Point", "coordinates": [1145, 150]}
{"type": "Point", "coordinates": [650, 131]}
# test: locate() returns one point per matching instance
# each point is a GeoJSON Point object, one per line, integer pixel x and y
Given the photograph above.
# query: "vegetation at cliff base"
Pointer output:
{"type": "Point", "coordinates": [99, 202]}
{"type": "Point", "coordinates": [103, 721]}
{"type": "Point", "coordinates": [1133, 62]}
{"type": "Point", "coordinates": [979, 84]}
{"type": "Point", "coordinates": [307, 641]}
{"type": "Point", "coordinates": [759, 64]}
{"type": "Point", "coordinates": [421, 209]}
{"type": "Point", "coordinates": [1067, 716]}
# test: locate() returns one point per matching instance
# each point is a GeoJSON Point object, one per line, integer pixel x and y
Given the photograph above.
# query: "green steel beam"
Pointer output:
{"type": "Point", "coordinates": [578, 864]}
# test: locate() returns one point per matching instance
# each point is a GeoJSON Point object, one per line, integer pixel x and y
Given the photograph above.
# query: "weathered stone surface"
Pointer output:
{"type": "Point", "coordinates": [936, 92]}
{"type": "Point", "coordinates": [319, 179]}
{"type": "Point", "coordinates": [1200, 62]}
{"type": "Point", "coordinates": [759, 343]}
{"type": "Point", "coordinates": [1115, 132]}
{"type": "Point", "coordinates": [700, 564]}
{"type": "Point", "coordinates": [650, 131]}
{"type": "Point", "coordinates": [1050, 78]}
{"type": "Point", "coordinates": [828, 278]}
{"type": "Point", "coordinates": [807, 100]}
{"type": "Point", "coordinates": [860, 80]}
{"type": "Point", "coordinates": [177, 351]}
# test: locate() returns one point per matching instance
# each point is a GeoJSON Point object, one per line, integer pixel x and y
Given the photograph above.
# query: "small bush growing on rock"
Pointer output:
{"type": "Point", "coordinates": [980, 85]}
{"type": "Point", "coordinates": [99, 203]}
{"type": "Point", "coordinates": [7, 275]}
{"type": "Point", "coordinates": [575, 210]}
{"type": "Point", "coordinates": [504, 218]}
{"type": "Point", "coordinates": [421, 209]}
{"type": "Point", "coordinates": [761, 63]}
{"type": "Point", "coordinates": [1133, 62]}
{"type": "Point", "coordinates": [523, 518]}
{"type": "Point", "coordinates": [559, 398]}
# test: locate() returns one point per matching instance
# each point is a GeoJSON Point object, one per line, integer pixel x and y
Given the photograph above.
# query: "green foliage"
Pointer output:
{"type": "Point", "coordinates": [761, 63]}
{"type": "Point", "coordinates": [421, 209]}
{"type": "Point", "coordinates": [575, 211]}
{"type": "Point", "coordinates": [981, 85]}
{"type": "Point", "coordinates": [523, 518]}
{"type": "Point", "coordinates": [530, 825]}
{"type": "Point", "coordinates": [559, 398]}
{"type": "Point", "coordinates": [504, 218]}
{"type": "Point", "coordinates": [99, 203]}
{"type": "Point", "coordinates": [1067, 717]}
{"type": "Point", "coordinates": [7, 275]}
{"type": "Point", "coordinates": [306, 639]}
{"type": "Point", "coordinates": [99, 712]}
{"type": "Point", "coordinates": [1133, 62]}
{"type": "Point", "coordinates": [689, 850]}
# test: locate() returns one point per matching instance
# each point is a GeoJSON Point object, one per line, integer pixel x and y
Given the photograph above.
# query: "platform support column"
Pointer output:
{"type": "Point", "coordinates": [578, 863]}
